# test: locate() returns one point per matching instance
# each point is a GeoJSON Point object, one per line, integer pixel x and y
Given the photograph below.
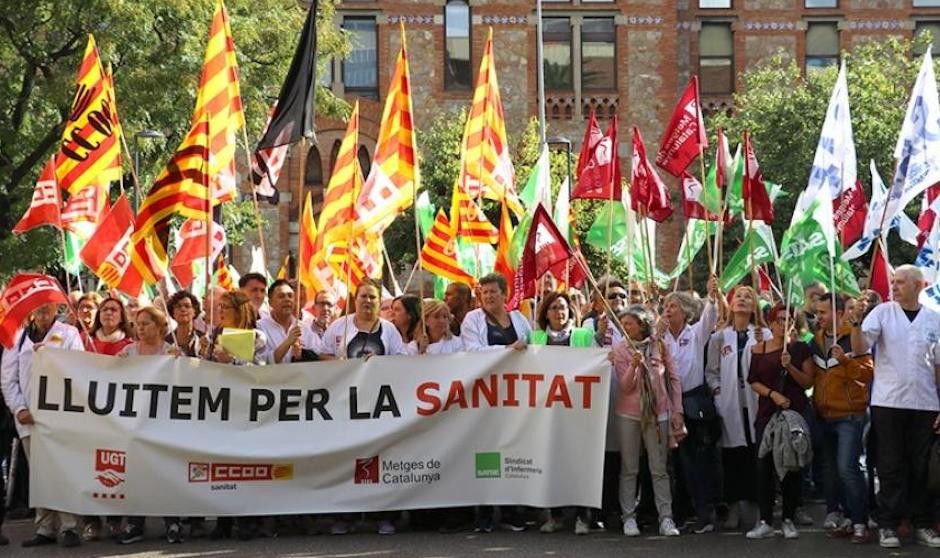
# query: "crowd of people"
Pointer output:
{"type": "Point", "coordinates": [718, 403]}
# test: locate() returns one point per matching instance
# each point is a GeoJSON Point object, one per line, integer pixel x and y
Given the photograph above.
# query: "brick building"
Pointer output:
{"type": "Point", "coordinates": [626, 57]}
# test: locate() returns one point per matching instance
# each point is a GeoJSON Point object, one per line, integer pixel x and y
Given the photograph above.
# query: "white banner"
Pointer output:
{"type": "Point", "coordinates": [164, 436]}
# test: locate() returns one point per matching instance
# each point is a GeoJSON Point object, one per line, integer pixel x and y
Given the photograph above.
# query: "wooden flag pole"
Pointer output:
{"type": "Point", "coordinates": [610, 228]}
{"type": "Point", "coordinates": [708, 237]}
{"type": "Point", "coordinates": [254, 196]}
{"type": "Point", "coordinates": [301, 200]}
{"type": "Point", "coordinates": [68, 279]}
{"type": "Point", "coordinates": [647, 252]}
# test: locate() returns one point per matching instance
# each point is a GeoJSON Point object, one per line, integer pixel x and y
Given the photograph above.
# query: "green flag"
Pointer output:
{"type": "Point", "coordinates": [710, 197]}
{"type": "Point", "coordinates": [425, 213]}
{"type": "Point", "coordinates": [469, 253]}
{"type": "Point", "coordinates": [760, 239]}
{"type": "Point", "coordinates": [626, 243]}
{"type": "Point", "coordinates": [73, 247]}
{"type": "Point", "coordinates": [539, 186]}
{"type": "Point", "coordinates": [517, 246]}
{"type": "Point", "coordinates": [695, 235]}
{"type": "Point", "coordinates": [735, 201]}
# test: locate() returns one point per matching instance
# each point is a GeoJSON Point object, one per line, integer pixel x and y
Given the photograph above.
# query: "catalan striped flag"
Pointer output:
{"type": "Point", "coordinates": [468, 219]}
{"type": "Point", "coordinates": [182, 188]}
{"type": "Point", "coordinates": [503, 262]}
{"type": "Point", "coordinates": [314, 272]}
{"type": "Point", "coordinates": [222, 276]}
{"type": "Point", "coordinates": [439, 255]}
{"type": "Point", "coordinates": [90, 151]}
{"type": "Point", "coordinates": [220, 101]}
{"type": "Point", "coordinates": [335, 229]}
{"type": "Point", "coordinates": [393, 178]}
{"type": "Point", "coordinates": [485, 166]}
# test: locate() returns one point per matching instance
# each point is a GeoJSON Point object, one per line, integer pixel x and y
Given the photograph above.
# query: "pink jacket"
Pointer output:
{"type": "Point", "coordinates": [660, 364]}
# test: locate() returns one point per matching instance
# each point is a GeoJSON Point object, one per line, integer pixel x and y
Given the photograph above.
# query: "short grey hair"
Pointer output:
{"type": "Point", "coordinates": [643, 315]}
{"type": "Point", "coordinates": [687, 301]}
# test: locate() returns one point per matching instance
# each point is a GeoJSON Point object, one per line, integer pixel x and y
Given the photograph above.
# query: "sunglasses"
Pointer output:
{"type": "Point", "coordinates": [614, 296]}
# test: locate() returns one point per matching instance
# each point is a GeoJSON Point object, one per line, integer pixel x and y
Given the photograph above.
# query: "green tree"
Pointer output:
{"type": "Point", "coordinates": [784, 111]}
{"type": "Point", "coordinates": [156, 48]}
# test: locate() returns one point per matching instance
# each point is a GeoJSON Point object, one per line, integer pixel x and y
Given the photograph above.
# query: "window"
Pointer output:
{"type": "Point", "coordinates": [325, 73]}
{"type": "Point", "coordinates": [365, 163]}
{"type": "Point", "coordinates": [598, 46]}
{"type": "Point", "coordinates": [458, 72]}
{"type": "Point", "coordinates": [922, 26]}
{"type": "Point", "coordinates": [313, 168]}
{"type": "Point", "coordinates": [822, 3]}
{"type": "Point", "coordinates": [361, 68]}
{"type": "Point", "coordinates": [709, 4]}
{"type": "Point", "coordinates": [927, 4]}
{"type": "Point", "coordinates": [716, 58]}
{"type": "Point", "coordinates": [556, 38]}
{"type": "Point", "coordinates": [822, 45]}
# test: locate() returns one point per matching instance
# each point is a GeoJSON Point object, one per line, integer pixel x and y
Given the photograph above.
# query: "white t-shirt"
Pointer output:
{"type": "Point", "coordinates": [906, 354]}
{"type": "Point", "coordinates": [445, 346]}
{"type": "Point", "coordinates": [388, 336]}
{"type": "Point", "coordinates": [277, 335]}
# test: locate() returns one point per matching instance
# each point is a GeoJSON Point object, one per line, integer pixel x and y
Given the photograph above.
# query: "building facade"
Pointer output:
{"type": "Point", "coordinates": [631, 58]}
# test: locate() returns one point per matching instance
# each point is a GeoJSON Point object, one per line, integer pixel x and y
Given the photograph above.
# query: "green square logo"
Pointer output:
{"type": "Point", "coordinates": [488, 465]}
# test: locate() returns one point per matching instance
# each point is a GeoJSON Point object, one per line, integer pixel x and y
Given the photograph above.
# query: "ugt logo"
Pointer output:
{"type": "Point", "coordinates": [110, 467]}
{"type": "Point", "coordinates": [367, 470]}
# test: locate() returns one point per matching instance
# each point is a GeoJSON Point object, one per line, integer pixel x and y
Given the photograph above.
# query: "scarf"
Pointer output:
{"type": "Point", "coordinates": [559, 337]}
{"type": "Point", "coordinates": [113, 337]}
{"type": "Point", "coordinates": [648, 402]}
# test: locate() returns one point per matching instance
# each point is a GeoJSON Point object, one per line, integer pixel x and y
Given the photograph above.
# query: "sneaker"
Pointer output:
{"type": "Point", "coordinates": [761, 531]}
{"type": "Point", "coordinates": [667, 528]}
{"type": "Point", "coordinates": [789, 530]}
{"type": "Point", "coordinates": [484, 525]}
{"type": "Point", "coordinates": [833, 520]}
{"type": "Point", "coordinates": [514, 525]}
{"type": "Point", "coordinates": [800, 517]}
{"type": "Point", "coordinates": [339, 528]}
{"type": "Point", "coordinates": [551, 526]}
{"type": "Point", "coordinates": [70, 539]}
{"type": "Point", "coordinates": [38, 540]}
{"type": "Point", "coordinates": [860, 534]}
{"type": "Point", "coordinates": [91, 531]}
{"type": "Point", "coordinates": [703, 527]}
{"type": "Point", "coordinates": [927, 537]}
{"type": "Point", "coordinates": [630, 527]}
{"type": "Point", "coordinates": [386, 527]}
{"type": "Point", "coordinates": [888, 538]}
{"type": "Point", "coordinates": [581, 527]}
{"type": "Point", "coordinates": [131, 534]}
{"type": "Point", "coordinates": [597, 526]}
{"type": "Point", "coordinates": [174, 533]}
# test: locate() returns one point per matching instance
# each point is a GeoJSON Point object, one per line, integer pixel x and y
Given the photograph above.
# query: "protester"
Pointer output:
{"type": "Point", "coordinates": [840, 397]}
{"type": "Point", "coordinates": [439, 340]}
{"type": "Point", "coordinates": [112, 330]}
{"type": "Point", "coordinates": [698, 452]}
{"type": "Point", "coordinates": [650, 410]}
{"type": "Point", "coordinates": [130, 313]}
{"type": "Point", "coordinates": [15, 373]}
{"type": "Point", "coordinates": [616, 294]}
{"type": "Point", "coordinates": [579, 305]}
{"type": "Point", "coordinates": [255, 286]}
{"type": "Point", "coordinates": [184, 308]}
{"type": "Point", "coordinates": [212, 309]}
{"type": "Point", "coordinates": [406, 315]}
{"type": "Point", "coordinates": [905, 402]}
{"type": "Point", "coordinates": [727, 363]}
{"type": "Point", "coordinates": [811, 294]}
{"type": "Point", "coordinates": [778, 373]}
{"type": "Point", "coordinates": [288, 340]}
{"type": "Point", "coordinates": [87, 308]}
{"type": "Point", "coordinates": [459, 299]}
{"type": "Point", "coordinates": [324, 306]}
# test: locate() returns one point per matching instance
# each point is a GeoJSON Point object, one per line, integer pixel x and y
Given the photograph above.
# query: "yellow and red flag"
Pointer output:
{"type": "Point", "coordinates": [223, 276]}
{"type": "Point", "coordinates": [393, 178]}
{"type": "Point", "coordinates": [439, 255]}
{"type": "Point", "coordinates": [107, 253]}
{"type": "Point", "coordinates": [503, 262]}
{"type": "Point", "coordinates": [468, 219]}
{"type": "Point", "coordinates": [335, 229]}
{"type": "Point", "coordinates": [219, 100]}
{"type": "Point", "coordinates": [90, 151]}
{"type": "Point", "coordinates": [485, 167]}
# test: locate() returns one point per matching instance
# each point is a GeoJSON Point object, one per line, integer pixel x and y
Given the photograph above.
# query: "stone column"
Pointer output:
{"type": "Point", "coordinates": [576, 22]}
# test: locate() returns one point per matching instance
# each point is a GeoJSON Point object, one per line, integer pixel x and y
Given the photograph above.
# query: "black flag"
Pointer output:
{"type": "Point", "coordinates": [294, 116]}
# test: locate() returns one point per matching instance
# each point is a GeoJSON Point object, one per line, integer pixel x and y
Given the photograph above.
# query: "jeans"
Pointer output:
{"type": "Point", "coordinates": [700, 465]}
{"type": "Point", "coordinates": [842, 474]}
{"type": "Point", "coordinates": [904, 437]}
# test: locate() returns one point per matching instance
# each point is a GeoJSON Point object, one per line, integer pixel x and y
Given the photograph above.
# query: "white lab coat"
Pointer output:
{"type": "Point", "coordinates": [17, 365]}
{"type": "Point", "coordinates": [721, 370]}
{"type": "Point", "coordinates": [446, 346]}
{"type": "Point", "coordinates": [688, 348]}
{"type": "Point", "coordinates": [473, 330]}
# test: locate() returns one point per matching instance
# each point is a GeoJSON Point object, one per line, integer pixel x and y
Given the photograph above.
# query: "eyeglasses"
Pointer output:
{"type": "Point", "coordinates": [614, 296]}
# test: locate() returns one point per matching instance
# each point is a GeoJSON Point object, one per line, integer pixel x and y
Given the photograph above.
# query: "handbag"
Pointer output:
{"type": "Point", "coordinates": [933, 468]}
{"type": "Point", "coordinates": [699, 405]}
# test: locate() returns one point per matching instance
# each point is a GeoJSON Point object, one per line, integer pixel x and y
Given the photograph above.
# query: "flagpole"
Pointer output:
{"type": "Point", "coordinates": [68, 279]}
{"type": "Point", "coordinates": [647, 252]}
{"type": "Point", "coordinates": [300, 221]}
{"type": "Point", "coordinates": [610, 223]}
{"type": "Point", "coordinates": [391, 270]}
{"type": "Point", "coordinates": [611, 315]}
{"type": "Point", "coordinates": [708, 238]}
{"type": "Point", "coordinates": [254, 201]}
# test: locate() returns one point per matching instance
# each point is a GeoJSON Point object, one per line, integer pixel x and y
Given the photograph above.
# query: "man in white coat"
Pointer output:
{"type": "Point", "coordinates": [41, 331]}
{"type": "Point", "coordinates": [905, 404]}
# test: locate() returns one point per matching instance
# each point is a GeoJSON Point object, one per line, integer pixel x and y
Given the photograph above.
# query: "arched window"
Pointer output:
{"type": "Point", "coordinates": [365, 163]}
{"type": "Point", "coordinates": [313, 169]}
{"type": "Point", "coordinates": [334, 153]}
{"type": "Point", "coordinates": [458, 74]}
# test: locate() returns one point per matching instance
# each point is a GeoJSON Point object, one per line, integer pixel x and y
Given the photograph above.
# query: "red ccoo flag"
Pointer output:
{"type": "Point", "coordinates": [648, 195]}
{"type": "Point", "coordinates": [46, 207]}
{"type": "Point", "coordinates": [25, 293]}
{"type": "Point", "coordinates": [684, 138]}
{"type": "Point", "coordinates": [599, 179]}
{"type": "Point", "coordinates": [107, 252]}
{"type": "Point", "coordinates": [757, 204]}
{"type": "Point", "coordinates": [592, 136]}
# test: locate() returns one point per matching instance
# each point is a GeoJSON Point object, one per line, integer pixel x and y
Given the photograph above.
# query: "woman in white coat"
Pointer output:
{"type": "Point", "coordinates": [491, 327]}
{"type": "Point", "coordinates": [726, 369]}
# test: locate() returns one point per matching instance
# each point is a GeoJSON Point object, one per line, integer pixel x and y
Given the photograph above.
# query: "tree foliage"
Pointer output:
{"type": "Point", "coordinates": [156, 49]}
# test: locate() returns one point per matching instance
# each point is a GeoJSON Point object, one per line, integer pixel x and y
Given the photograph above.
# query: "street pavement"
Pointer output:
{"type": "Point", "coordinates": [423, 544]}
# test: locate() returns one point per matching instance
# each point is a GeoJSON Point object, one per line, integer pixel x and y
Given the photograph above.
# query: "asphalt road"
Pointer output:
{"type": "Point", "coordinates": [530, 544]}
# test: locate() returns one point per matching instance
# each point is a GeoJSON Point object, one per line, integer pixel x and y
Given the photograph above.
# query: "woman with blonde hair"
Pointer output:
{"type": "Point", "coordinates": [728, 360]}
{"type": "Point", "coordinates": [439, 339]}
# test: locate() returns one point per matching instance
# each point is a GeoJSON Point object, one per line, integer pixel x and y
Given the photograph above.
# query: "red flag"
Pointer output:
{"type": "Point", "coordinates": [25, 293]}
{"type": "Point", "coordinates": [880, 280]}
{"type": "Point", "coordinates": [648, 194]}
{"type": "Point", "coordinates": [193, 247]}
{"type": "Point", "coordinates": [757, 204]}
{"type": "Point", "coordinates": [684, 138]}
{"type": "Point", "coordinates": [545, 250]}
{"type": "Point", "coordinates": [765, 284]}
{"type": "Point", "coordinates": [46, 207]}
{"type": "Point", "coordinates": [599, 179]}
{"type": "Point", "coordinates": [107, 251]}
{"type": "Point", "coordinates": [592, 136]}
{"type": "Point", "coordinates": [849, 211]}
{"type": "Point", "coordinates": [691, 206]}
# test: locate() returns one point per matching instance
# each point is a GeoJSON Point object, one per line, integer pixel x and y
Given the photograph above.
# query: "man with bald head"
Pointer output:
{"type": "Point", "coordinates": [905, 402]}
